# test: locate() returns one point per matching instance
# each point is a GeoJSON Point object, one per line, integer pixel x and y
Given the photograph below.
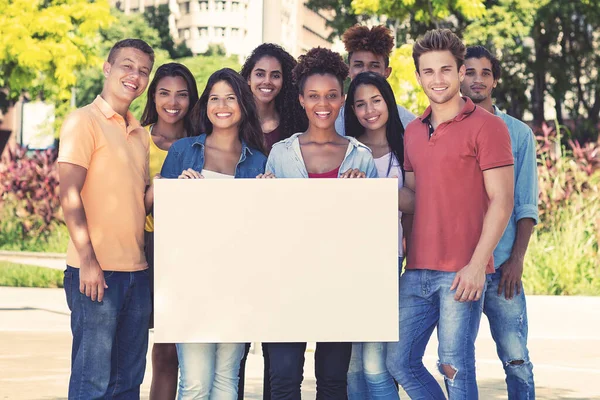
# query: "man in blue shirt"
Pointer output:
{"type": "Point", "coordinates": [504, 302]}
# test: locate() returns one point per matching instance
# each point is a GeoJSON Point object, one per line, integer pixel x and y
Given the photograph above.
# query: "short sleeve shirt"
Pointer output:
{"type": "Point", "coordinates": [450, 196]}
{"type": "Point", "coordinates": [115, 155]}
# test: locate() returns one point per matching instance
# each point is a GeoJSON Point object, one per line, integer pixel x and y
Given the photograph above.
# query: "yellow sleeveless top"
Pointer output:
{"type": "Point", "coordinates": [156, 159]}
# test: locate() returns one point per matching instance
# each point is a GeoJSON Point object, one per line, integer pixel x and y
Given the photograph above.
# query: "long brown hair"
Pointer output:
{"type": "Point", "coordinates": [250, 129]}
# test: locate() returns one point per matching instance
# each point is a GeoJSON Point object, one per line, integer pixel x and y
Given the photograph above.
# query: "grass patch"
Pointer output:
{"type": "Point", "coordinates": [19, 275]}
{"type": "Point", "coordinates": [55, 241]}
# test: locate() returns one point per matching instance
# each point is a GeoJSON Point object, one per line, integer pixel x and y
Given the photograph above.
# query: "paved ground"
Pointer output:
{"type": "Point", "coordinates": [564, 344]}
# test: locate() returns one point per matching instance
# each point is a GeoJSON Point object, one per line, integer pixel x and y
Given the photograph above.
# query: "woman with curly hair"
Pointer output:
{"type": "Point", "coordinates": [268, 71]}
{"type": "Point", "coordinates": [319, 152]}
{"type": "Point", "coordinates": [369, 49]}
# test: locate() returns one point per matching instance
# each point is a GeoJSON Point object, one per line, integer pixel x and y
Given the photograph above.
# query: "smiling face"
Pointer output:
{"type": "Point", "coordinates": [127, 77]}
{"type": "Point", "coordinates": [322, 100]}
{"type": "Point", "coordinates": [479, 80]}
{"type": "Point", "coordinates": [223, 109]}
{"type": "Point", "coordinates": [363, 61]}
{"type": "Point", "coordinates": [370, 107]}
{"type": "Point", "coordinates": [172, 99]}
{"type": "Point", "coordinates": [439, 76]}
{"type": "Point", "coordinates": [266, 79]}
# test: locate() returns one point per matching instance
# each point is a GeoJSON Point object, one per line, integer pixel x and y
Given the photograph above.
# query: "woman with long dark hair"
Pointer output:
{"type": "Point", "coordinates": [231, 146]}
{"type": "Point", "coordinates": [171, 96]}
{"type": "Point", "coordinates": [372, 117]}
{"type": "Point", "coordinates": [268, 71]}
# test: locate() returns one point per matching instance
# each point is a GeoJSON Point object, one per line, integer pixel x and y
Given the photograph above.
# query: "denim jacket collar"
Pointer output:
{"type": "Point", "coordinates": [201, 140]}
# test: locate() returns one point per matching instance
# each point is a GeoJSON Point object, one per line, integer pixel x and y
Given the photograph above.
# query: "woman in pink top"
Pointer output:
{"type": "Point", "coordinates": [372, 117]}
{"type": "Point", "coordinates": [319, 152]}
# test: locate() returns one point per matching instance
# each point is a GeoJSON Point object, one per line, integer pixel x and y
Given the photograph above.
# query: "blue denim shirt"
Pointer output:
{"type": "Point", "coordinates": [526, 183]}
{"type": "Point", "coordinates": [189, 153]}
{"type": "Point", "coordinates": [406, 117]}
{"type": "Point", "coordinates": [285, 159]}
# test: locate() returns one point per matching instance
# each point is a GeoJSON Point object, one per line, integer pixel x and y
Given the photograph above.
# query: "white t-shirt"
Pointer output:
{"type": "Point", "coordinates": [383, 164]}
{"type": "Point", "coordinates": [207, 174]}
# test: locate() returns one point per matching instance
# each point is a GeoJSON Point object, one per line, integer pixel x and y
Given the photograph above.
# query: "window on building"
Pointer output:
{"type": "Point", "coordinates": [203, 5]}
{"type": "Point", "coordinates": [185, 7]}
{"type": "Point", "coordinates": [220, 5]}
{"type": "Point", "coordinates": [235, 32]}
{"type": "Point", "coordinates": [203, 31]}
{"type": "Point", "coordinates": [220, 31]}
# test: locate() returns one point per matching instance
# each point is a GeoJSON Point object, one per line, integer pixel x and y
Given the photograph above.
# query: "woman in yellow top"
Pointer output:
{"type": "Point", "coordinates": [171, 96]}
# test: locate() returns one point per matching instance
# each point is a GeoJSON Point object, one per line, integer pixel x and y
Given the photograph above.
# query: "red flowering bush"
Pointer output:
{"type": "Point", "coordinates": [29, 196]}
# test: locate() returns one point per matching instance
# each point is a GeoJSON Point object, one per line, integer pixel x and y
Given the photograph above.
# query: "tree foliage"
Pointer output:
{"type": "Point", "coordinates": [344, 15]}
{"type": "Point", "coordinates": [44, 42]}
{"type": "Point", "coordinates": [428, 12]}
{"type": "Point", "coordinates": [407, 90]}
{"type": "Point", "coordinates": [158, 19]}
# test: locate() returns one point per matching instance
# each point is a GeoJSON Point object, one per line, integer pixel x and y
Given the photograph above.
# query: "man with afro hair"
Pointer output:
{"type": "Point", "coordinates": [369, 49]}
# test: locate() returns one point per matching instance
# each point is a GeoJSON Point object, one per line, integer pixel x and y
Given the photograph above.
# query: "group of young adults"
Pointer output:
{"type": "Point", "coordinates": [467, 204]}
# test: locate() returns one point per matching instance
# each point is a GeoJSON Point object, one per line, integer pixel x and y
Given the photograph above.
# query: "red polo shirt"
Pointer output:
{"type": "Point", "coordinates": [450, 196]}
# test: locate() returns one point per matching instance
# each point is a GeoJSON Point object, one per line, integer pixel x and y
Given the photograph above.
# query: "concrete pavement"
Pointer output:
{"type": "Point", "coordinates": [563, 335]}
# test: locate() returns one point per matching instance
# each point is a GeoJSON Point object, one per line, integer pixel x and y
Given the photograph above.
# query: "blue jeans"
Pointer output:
{"type": "Point", "coordinates": [209, 370]}
{"type": "Point", "coordinates": [508, 323]}
{"type": "Point", "coordinates": [368, 377]}
{"type": "Point", "coordinates": [110, 338]}
{"type": "Point", "coordinates": [426, 302]}
{"type": "Point", "coordinates": [331, 369]}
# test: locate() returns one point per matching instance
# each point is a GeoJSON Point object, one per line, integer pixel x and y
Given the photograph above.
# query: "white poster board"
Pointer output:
{"type": "Point", "coordinates": [277, 260]}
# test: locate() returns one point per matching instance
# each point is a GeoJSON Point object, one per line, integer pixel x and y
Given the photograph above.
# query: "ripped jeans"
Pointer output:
{"type": "Point", "coordinates": [508, 323]}
{"type": "Point", "coordinates": [426, 302]}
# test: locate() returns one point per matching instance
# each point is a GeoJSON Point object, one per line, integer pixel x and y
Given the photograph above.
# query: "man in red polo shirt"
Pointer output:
{"type": "Point", "coordinates": [458, 160]}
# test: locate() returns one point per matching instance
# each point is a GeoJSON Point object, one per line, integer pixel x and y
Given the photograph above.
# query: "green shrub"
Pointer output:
{"type": "Point", "coordinates": [563, 256]}
{"type": "Point", "coordinates": [30, 214]}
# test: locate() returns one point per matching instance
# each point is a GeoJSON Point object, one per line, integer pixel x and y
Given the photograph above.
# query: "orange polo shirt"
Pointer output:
{"type": "Point", "coordinates": [115, 155]}
{"type": "Point", "coordinates": [450, 196]}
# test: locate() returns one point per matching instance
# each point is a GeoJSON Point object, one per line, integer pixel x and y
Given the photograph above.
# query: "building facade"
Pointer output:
{"type": "Point", "coordinates": [240, 25]}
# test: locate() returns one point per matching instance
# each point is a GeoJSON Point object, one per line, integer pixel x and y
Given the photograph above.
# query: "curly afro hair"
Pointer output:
{"type": "Point", "coordinates": [319, 61]}
{"type": "Point", "coordinates": [294, 118]}
{"type": "Point", "coordinates": [378, 40]}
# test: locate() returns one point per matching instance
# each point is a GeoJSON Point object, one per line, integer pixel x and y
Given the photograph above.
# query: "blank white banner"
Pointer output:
{"type": "Point", "coordinates": [278, 260]}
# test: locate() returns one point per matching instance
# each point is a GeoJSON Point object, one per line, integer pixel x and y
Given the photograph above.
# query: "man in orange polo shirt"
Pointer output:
{"type": "Point", "coordinates": [458, 160]}
{"type": "Point", "coordinates": [103, 168]}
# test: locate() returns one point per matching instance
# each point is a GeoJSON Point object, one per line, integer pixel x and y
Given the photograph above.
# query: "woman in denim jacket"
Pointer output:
{"type": "Point", "coordinates": [317, 153]}
{"type": "Point", "coordinates": [231, 147]}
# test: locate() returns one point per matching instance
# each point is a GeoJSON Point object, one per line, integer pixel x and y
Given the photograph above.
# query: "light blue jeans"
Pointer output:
{"type": "Point", "coordinates": [368, 377]}
{"type": "Point", "coordinates": [426, 302]}
{"type": "Point", "coordinates": [209, 371]}
{"type": "Point", "coordinates": [508, 323]}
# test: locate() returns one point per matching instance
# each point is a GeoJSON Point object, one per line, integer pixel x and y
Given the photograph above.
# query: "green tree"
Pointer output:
{"type": "Point", "coordinates": [44, 42]}
{"type": "Point", "coordinates": [158, 18]}
{"type": "Point", "coordinates": [343, 18]}
{"type": "Point", "coordinates": [506, 30]}
{"type": "Point", "coordinates": [568, 35]}
{"type": "Point", "coordinates": [90, 80]}
{"type": "Point", "coordinates": [429, 12]}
